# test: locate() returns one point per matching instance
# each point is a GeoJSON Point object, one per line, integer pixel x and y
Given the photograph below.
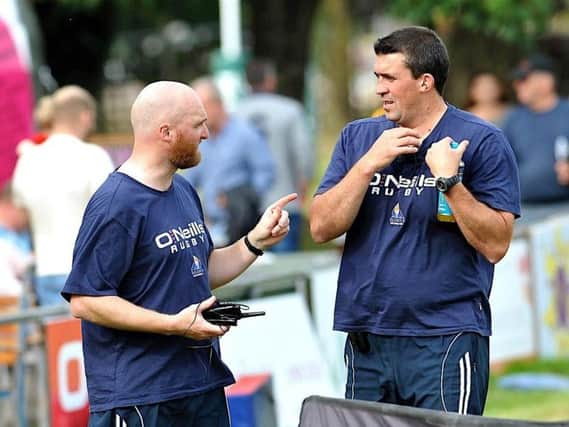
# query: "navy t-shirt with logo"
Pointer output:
{"type": "Point", "coordinates": [151, 248]}
{"type": "Point", "coordinates": [404, 272]}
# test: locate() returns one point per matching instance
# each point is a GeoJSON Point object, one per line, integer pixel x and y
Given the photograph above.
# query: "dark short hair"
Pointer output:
{"type": "Point", "coordinates": [258, 70]}
{"type": "Point", "coordinates": [535, 62]}
{"type": "Point", "coordinates": [423, 49]}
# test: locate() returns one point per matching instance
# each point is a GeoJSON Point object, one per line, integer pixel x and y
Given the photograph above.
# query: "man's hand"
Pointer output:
{"type": "Point", "coordinates": [392, 143]}
{"type": "Point", "coordinates": [444, 160]}
{"type": "Point", "coordinates": [190, 323]}
{"type": "Point", "coordinates": [562, 171]}
{"type": "Point", "coordinates": [273, 225]}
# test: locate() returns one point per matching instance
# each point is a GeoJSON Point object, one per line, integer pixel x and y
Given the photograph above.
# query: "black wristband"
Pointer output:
{"type": "Point", "coordinates": [252, 248]}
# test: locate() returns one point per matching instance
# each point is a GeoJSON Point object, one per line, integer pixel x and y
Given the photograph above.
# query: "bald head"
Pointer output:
{"type": "Point", "coordinates": [162, 102]}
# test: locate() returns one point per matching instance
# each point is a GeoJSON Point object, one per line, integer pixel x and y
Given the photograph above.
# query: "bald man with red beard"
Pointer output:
{"type": "Point", "coordinates": [143, 270]}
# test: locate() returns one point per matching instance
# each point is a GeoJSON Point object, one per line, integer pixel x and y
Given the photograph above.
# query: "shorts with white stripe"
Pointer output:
{"type": "Point", "coordinates": [446, 373]}
{"type": "Point", "coordinates": [208, 409]}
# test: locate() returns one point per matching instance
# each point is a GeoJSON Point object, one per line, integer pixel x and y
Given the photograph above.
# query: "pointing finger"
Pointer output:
{"type": "Point", "coordinates": [283, 201]}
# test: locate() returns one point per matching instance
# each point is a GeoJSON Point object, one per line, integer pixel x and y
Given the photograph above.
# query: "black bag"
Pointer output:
{"type": "Point", "coordinates": [243, 206]}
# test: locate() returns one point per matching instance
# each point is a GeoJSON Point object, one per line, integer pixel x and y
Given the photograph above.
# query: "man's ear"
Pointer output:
{"type": "Point", "coordinates": [165, 133]}
{"type": "Point", "coordinates": [426, 82]}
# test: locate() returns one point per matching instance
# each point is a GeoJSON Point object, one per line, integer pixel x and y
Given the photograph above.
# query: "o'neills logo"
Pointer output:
{"type": "Point", "coordinates": [386, 184]}
{"type": "Point", "coordinates": [181, 238]}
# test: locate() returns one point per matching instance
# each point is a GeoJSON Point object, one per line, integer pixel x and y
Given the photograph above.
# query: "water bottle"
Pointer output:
{"type": "Point", "coordinates": [561, 149]}
{"type": "Point", "coordinates": [444, 212]}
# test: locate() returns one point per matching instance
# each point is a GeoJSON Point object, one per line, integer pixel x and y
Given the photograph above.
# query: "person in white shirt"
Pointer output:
{"type": "Point", "coordinates": [54, 181]}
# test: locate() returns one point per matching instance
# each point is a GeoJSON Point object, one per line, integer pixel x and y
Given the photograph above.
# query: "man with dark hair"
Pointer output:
{"type": "Point", "coordinates": [261, 75]}
{"type": "Point", "coordinates": [435, 61]}
{"type": "Point", "coordinates": [283, 123]}
{"type": "Point", "coordinates": [538, 130]}
{"type": "Point", "coordinates": [143, 270]}
{"type": "Point", "coordinates": [413, 288]}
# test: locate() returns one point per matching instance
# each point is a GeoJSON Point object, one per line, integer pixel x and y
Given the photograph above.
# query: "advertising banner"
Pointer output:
{"type": "Point", "coordinates": [284, 344]}
{"type": "Point", "coordinates": [550, 264]}
{"type": "Point", "coordinates": [513, 329]}
{"type": "Point", "coordinates": [69, 402]}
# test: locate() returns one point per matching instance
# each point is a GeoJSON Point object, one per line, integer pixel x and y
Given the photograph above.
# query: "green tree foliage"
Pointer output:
{"type": "Point", "coordinates": [515, 21]}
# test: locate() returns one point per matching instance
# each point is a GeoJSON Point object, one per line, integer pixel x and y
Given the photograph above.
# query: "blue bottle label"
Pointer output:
{"type": "Point", "coordinates": [443, 207]}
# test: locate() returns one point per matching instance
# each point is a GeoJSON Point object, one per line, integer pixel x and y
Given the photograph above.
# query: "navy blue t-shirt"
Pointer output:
{"type": "Point", "coordinates": [151, 248]}
{"type": "Point", "coordinates": [403, 272]}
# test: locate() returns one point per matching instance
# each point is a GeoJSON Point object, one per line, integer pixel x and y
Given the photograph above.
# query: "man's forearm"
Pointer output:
{"type": "Point", "coordinates": [225, 264]}
{"type": "Point", "coordinates": [333, 212]}
{"type": "Point", "coordinates": [487, 230]}
{"type": "Point", "coordinates": [118, 313]}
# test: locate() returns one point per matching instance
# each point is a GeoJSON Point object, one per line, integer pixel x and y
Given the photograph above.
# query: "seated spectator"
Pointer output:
{"type": "Point", "coordinates": [486, 97]}
{"type": "Point", "coordinates": [15, 249]}
{"type": "Point", "coordinates": [235, 172]}
{"type": "Point", "coordinates": [538, 130]}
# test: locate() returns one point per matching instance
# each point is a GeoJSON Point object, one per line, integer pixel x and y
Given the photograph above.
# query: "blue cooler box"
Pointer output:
{"type": "Point", "coordinates": [251, 402]}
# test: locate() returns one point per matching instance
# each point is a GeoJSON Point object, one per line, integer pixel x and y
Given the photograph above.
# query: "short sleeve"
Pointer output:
{"type": "Point", "coordinates": [337, 168]}
{"type": "Point", "coordinates": [493, 176]}
{"type": "Point", "coordinates": [102, 256]}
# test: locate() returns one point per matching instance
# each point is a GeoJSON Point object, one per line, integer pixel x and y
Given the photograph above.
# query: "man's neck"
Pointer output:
{"type": "Point", "coordinates": [152, 175]}
{"type": "Point", "coordinates": [429, 116]}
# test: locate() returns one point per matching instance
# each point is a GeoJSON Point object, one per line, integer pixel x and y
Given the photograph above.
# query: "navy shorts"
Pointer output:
{"type": "Point", "coordinates": [202, 410]}
{"type": "Point", "coordinates": [446, 373]}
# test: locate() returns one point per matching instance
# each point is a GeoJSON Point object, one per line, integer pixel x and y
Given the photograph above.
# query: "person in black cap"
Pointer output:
{"type": "Point", "coordinates": [538, 131]}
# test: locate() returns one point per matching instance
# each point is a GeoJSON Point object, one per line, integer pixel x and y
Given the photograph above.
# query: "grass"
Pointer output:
{"type": "Point", "coordinates": [529, 405]}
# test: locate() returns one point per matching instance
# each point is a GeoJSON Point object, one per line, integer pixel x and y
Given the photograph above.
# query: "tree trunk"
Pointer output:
{"type": "Point", "coordinates": [332, 76]}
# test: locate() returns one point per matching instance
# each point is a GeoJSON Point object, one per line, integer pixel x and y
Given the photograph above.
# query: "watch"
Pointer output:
{"type": "Point", "coordinates": [444, 184]}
